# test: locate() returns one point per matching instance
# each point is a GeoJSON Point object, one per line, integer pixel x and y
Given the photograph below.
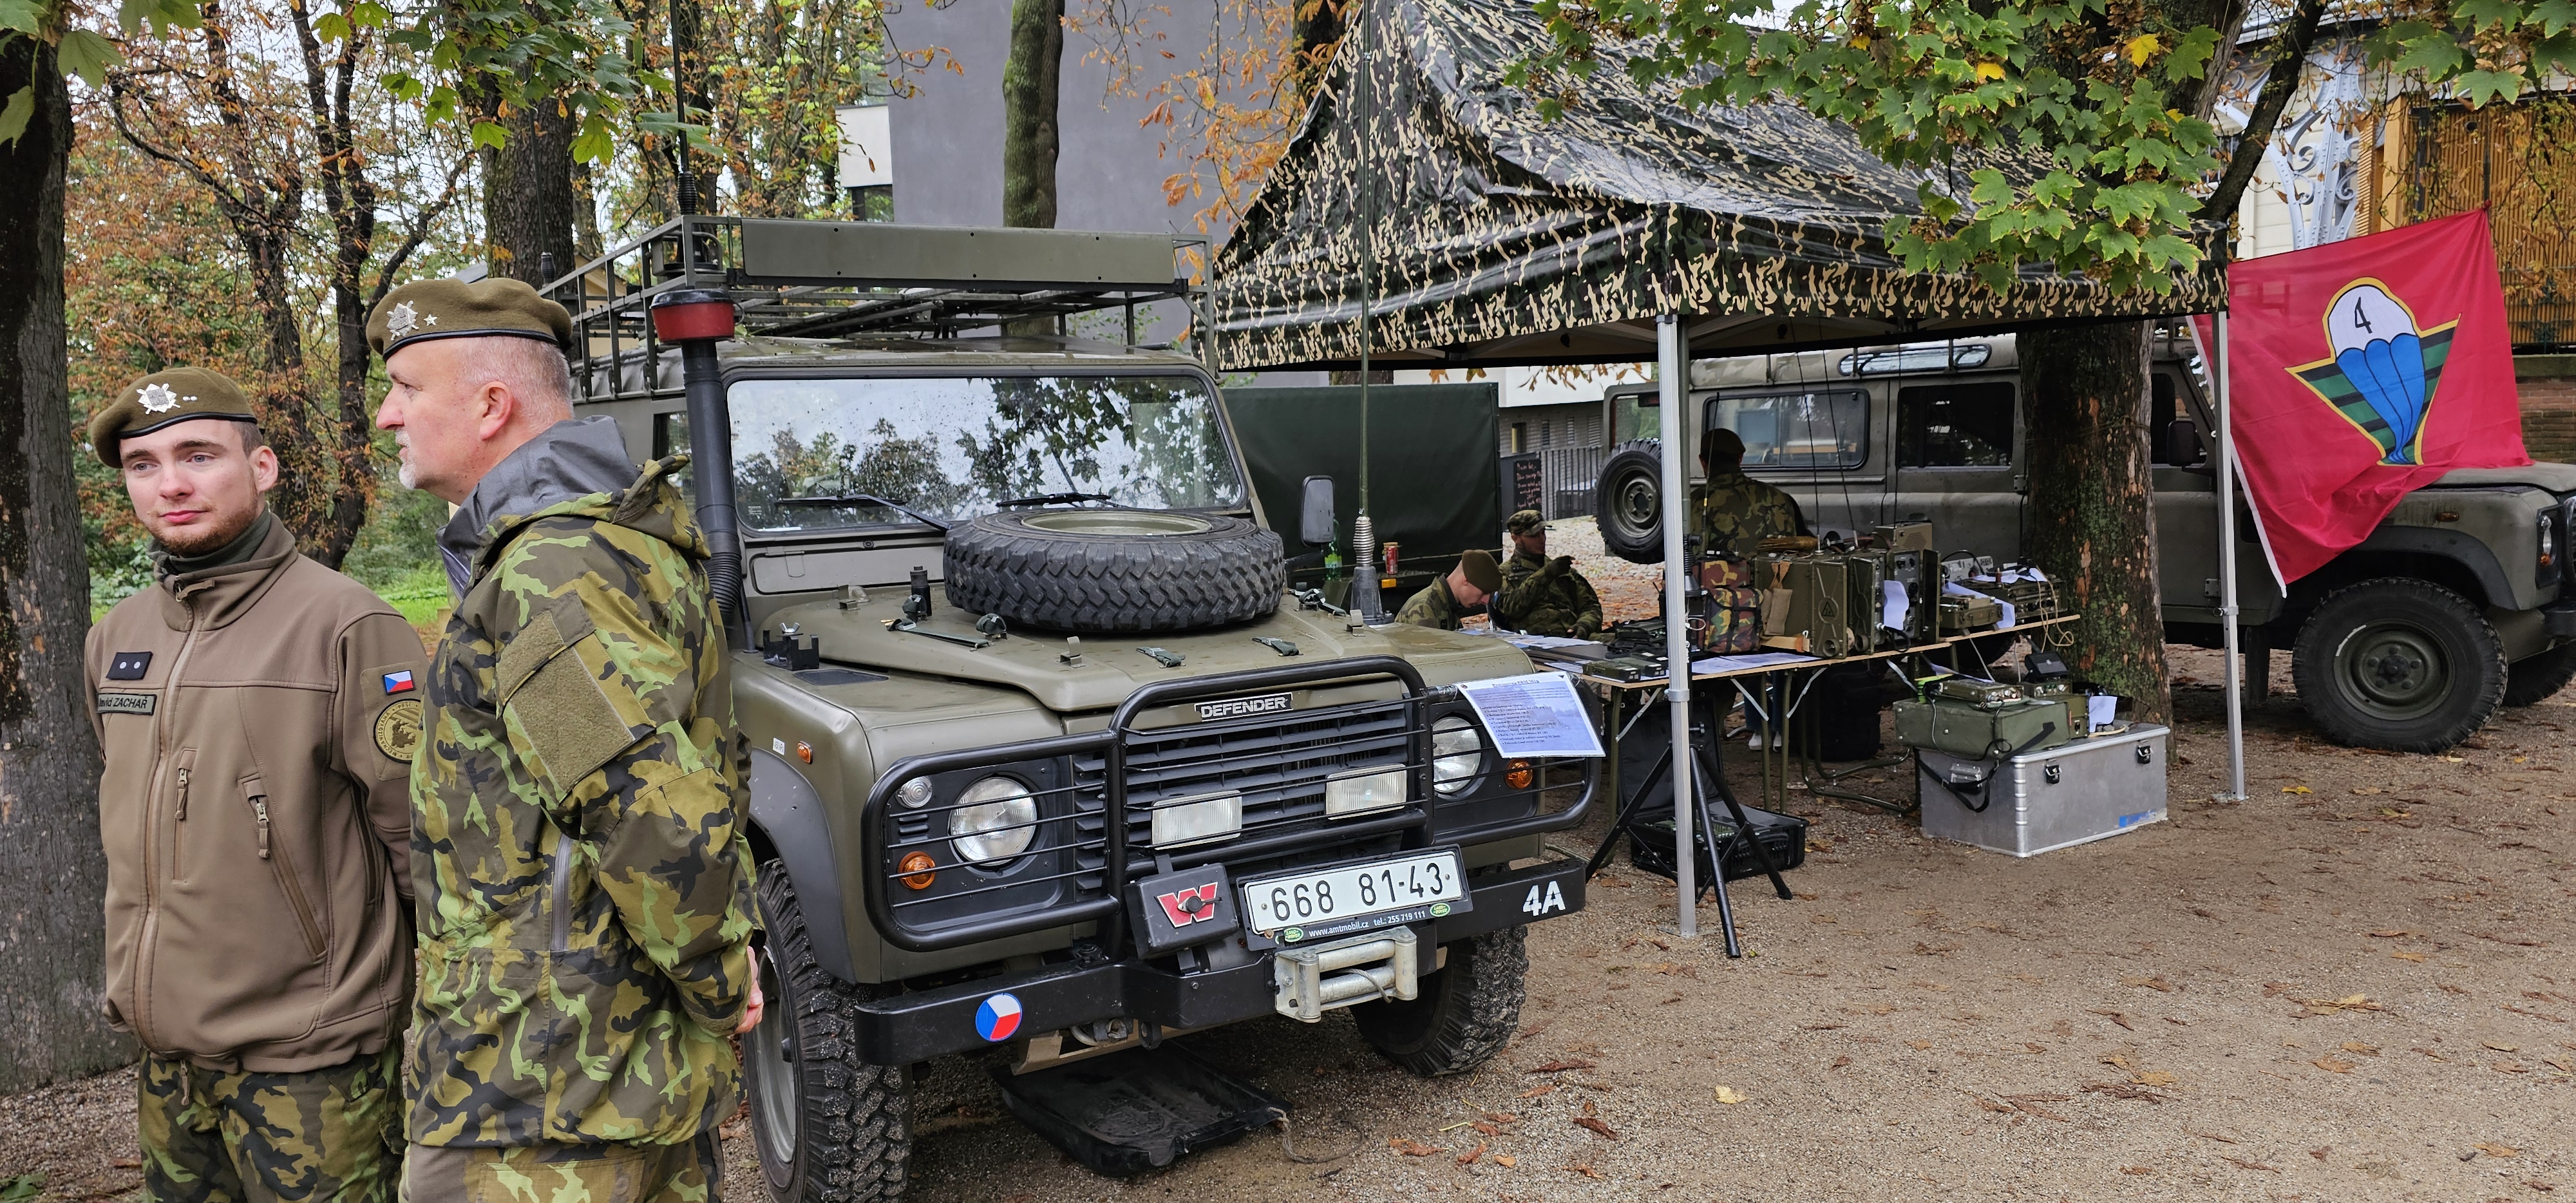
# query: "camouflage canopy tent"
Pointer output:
{"type": "Point", "coordinates": [1504, 238]}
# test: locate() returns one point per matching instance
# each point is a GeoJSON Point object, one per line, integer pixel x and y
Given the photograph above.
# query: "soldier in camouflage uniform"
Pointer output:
{"type": "Point", "coordinates": [585, 883]}
{"type": "Point", "coordinates": [1452, 597]}
{"type": "Point", "coordinates": [1541, 596]}
{"type": "Point", "coordinates": [1733, 513]}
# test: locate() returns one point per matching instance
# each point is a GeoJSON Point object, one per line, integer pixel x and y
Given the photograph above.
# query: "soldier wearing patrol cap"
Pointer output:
{"type": "Point", "coordinates": [1448, 599]}
{"type": "Point", "coordinates": [585, 879]}
{"type": "Point", "coordinates": [259, 714]}
{"type": "Point", "coordinates": [1541, 596]}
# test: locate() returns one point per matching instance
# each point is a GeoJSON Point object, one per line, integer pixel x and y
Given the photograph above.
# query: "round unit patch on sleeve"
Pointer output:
{"type": "Point", "coordinates": [398, 729]}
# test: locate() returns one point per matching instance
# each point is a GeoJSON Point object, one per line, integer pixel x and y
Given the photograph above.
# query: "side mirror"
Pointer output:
{"type": "Point", "coordinates": [1315, 521]}
{"type": "Point", "coordinates": [2182, 443]}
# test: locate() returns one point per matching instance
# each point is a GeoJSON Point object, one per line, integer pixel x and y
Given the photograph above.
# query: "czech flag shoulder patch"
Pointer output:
{"type": "Point", "coordinates": [998, 1018]}
{"type": "Point", "coordinates": [400, 682]}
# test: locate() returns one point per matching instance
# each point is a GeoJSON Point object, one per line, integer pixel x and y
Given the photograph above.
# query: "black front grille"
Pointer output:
{"type": "Point", "coordinates": [1279, 764]}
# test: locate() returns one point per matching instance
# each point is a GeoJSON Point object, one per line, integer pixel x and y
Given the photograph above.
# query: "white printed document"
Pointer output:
{"type": "Point", "coordinates": [1534, 715]}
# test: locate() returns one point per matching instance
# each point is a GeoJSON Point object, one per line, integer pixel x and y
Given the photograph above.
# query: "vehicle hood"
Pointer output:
{"type": "Point", "coordinates": [1113, 667]}
{"type": "Point", "coordinates": [2557, 478]}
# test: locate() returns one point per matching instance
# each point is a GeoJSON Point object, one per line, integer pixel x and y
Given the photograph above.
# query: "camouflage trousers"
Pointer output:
{"type": "Point", "coordinates": [328, 1136]}
{"type": "Point", "coordinates": [558, 1173]}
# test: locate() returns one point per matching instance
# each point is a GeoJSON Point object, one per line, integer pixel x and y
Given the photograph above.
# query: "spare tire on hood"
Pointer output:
{"type": "Point", "coordinates": [1105, 571]}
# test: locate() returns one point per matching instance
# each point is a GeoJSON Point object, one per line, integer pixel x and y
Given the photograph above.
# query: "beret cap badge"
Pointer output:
{"type": "Point", "coordinates": [402, 320]}
{"type": "Point", "coordinates": [157, 398]}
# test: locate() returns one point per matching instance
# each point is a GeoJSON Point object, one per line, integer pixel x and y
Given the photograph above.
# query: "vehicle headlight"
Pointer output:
{"type": "Point", "coordinates": [1457, 754]}
{"type": "Point", "coordinates": [995, 820]}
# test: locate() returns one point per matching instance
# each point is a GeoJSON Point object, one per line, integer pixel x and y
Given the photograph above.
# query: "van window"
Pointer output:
{"type": "Point", "coordinates": [1826, 428]}
{"type": "Point", "coordinates": [1954, 426]}
{"type": "Point", "coordinates": [2160, 418]}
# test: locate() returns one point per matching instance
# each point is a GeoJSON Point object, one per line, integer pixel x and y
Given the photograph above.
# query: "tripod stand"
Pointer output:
{"type": "Point", "coordinates": [1705, 737]}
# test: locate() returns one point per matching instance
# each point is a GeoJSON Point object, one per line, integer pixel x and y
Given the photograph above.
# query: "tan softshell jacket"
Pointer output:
{"type": "Point", "coordinates": [259, 721]}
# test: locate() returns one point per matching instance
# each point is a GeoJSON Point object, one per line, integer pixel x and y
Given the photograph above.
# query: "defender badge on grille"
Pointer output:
{"type": "Point", "coordinates": [1268, 703]}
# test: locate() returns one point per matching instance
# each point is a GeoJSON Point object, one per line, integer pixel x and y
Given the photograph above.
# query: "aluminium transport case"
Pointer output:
{"type": "Point", "coordinates": [2042, 801]}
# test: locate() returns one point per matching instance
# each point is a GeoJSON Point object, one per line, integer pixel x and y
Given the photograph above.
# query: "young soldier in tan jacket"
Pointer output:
{"type": "Point", "coordinates": [259, 714]}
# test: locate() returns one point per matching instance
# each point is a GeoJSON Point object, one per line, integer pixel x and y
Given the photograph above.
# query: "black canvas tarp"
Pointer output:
{"type": "Point", "coordinates": [1503, 238]}
{"type": "Point", "coordinates": [1433, 473]}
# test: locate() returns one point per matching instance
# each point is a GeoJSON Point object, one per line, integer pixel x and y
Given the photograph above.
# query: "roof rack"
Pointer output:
{"type": "Point", "coordinates": [835, 279]}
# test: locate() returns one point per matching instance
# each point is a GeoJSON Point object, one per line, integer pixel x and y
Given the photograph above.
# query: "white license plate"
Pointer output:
{"type": "Point", "coordinates": [1336, 896]}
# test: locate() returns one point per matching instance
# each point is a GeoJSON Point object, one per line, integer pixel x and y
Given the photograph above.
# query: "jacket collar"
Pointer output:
{"type": "Point", "coordinates": [217, 597]}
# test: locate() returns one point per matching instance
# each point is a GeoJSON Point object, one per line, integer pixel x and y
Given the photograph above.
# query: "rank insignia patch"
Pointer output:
{"type": "Point", "coordinates": [128, 666]}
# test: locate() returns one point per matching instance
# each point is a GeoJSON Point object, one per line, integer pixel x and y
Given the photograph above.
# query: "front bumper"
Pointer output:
{"type": "Point", "coordinates": [2558, 620]}
{"type": "Point", "coordinates": [907, 1028]}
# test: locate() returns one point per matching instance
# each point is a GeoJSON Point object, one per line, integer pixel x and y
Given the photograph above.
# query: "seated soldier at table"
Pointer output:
{"type": "Point", "coordinates": [1541, 596]}
{"type": "Point", "coordinates": [1446, 601]}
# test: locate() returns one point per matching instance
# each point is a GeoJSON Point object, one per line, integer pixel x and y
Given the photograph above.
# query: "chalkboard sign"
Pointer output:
{"type": "Point", "coordinates": [1524, 484]}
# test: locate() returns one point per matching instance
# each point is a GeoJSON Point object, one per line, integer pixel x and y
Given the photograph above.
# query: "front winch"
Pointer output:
{"type": "Point", "coordinates": [1345, 973]}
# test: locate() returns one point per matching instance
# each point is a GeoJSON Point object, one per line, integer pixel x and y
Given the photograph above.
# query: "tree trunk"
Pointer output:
{"type": "Point", "coordinates": [528, 202]}
{"type": "Point", "coordinates": [53, 874]}
{"type": "Point", "coordinates": [2092, 520]}
{"type": "Point", "coordinates": [1029, 96]}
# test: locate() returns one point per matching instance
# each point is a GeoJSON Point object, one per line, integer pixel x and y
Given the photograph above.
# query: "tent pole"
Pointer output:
{"type": "Point", "coordinates": [2232, 682]}
{"type": "Point", "coordinates": [1364, 598]}
{"type": "Point", "coordinates": [1672, 368]}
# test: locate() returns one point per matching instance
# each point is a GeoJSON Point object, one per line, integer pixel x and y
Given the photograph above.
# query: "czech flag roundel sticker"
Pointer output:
{"type": "Point", "coordinates": [998, 1018]}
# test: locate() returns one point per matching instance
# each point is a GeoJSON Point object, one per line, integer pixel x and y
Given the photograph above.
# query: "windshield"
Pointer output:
{"type": "Point", "coordinates": [953, 447]}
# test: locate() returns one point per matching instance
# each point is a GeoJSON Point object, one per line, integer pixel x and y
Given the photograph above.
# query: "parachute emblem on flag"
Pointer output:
{"type": "Point", "coordinates": [2384, 368]}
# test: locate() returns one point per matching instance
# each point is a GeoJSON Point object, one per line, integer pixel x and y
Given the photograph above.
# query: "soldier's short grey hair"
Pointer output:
{"type": "Point", "coordinates": [534, 370]}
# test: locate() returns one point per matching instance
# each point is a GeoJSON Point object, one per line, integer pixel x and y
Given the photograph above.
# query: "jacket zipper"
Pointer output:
{"type": "Point", "coordinates": [141, 975]}
{"type": "Point", "coordinates": [179, 818]}
{"type": "Point", "coordinates": [285, 872]}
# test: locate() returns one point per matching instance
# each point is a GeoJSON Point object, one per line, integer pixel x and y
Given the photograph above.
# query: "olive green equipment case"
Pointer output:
{"type": "Point", "coordinates": [1972, 728]}
{"type": "Point", "coordinates": [1806, 603]}
{"type": "Point", "coordinates": [1960, 615]}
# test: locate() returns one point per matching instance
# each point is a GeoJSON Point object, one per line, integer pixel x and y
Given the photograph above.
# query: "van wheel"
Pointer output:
{"type": "Point", "coordinates": [829, 1127]}
{"type": "Point", "coordinates": [1464, 1013]}
{"type": "Point", "coordinates": [1628, 503]}
{"type": "Point", "coordinates": [2401, 664]}
{"type": "Point", "coordinates": [2535, 679]}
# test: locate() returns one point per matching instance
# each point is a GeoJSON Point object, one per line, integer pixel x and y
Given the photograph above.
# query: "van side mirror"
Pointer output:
{"type": "Point", "coordinates": [2182, 443]}
{"type": "Point", "coordinates": [1315, 520]}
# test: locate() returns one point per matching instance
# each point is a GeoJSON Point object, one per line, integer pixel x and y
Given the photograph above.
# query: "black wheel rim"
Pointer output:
{"type": "Point", "coordinates": [2393, 671]}
{"type": "Point", "coordinates": [775, 1075]}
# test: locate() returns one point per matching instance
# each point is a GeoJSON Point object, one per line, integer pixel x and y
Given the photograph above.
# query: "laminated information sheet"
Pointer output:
{"type": "Point", "coordinates": [1534, 715]}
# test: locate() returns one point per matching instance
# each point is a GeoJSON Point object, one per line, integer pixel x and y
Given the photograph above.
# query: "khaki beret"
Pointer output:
{"type": "Point", "coordinates": [166, 398]}
{"type": "Point", "coordinates": [1524, 521]}
{"type": "Point", "coordinates": [427, 309]}
{"type": "Point", "coordinates": [1721, 443]}
{"type": "Point", "coordinates": [1481, 570]}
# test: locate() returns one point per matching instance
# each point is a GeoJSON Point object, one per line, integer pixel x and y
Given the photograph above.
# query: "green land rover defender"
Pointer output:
{"type": "Point", "coordinates": [1046, 762]}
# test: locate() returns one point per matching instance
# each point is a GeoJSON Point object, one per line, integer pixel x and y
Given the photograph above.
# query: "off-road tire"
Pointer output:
{"type": "Point", "coordinates": [1092, 571]}
{"type": "Point", "coordinates": [1627, 503]}
{"type": "Point", "coordinates": [1465, 1013]}
{"type": "Point", "coordinates": [850, 1136]}
{"type": "Point", "coordinates": [2535, 679]}
{"type": "Point", "coordinates": [2400, 664]}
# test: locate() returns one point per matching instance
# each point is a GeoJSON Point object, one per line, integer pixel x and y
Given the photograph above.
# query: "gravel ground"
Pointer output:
{"type": "Point", "coordinates": [2352, 986]}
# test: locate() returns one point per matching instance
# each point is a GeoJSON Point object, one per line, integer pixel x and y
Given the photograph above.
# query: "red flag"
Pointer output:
{"type": "Point", "coordinates": [2361, 371]}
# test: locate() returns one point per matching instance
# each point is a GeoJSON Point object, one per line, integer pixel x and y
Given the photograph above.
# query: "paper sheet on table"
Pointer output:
{"type": "Point", "coordinates": [1739, 663]}
{"type": "Point", "coordinates": [1956, 589]}
{"type": "Point", "coordinates": [1550, 641]}
{"type": "Point", "coordinates": [1893, 606]}
{"type": "Point", "coordinates": [1534, 715]}
{"type": "Point", "coordinates": [2101, 709]}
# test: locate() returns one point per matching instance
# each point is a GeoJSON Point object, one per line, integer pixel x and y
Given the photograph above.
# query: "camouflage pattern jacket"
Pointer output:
{"type": "Point", "coordinates": [1733, 513]}
{"type": "Point", "coordinates": [583, 876]}
{"type": "Point", "coordinates": [1563, 604]}
{"type": "Point", "coordinates": [1433, 607]}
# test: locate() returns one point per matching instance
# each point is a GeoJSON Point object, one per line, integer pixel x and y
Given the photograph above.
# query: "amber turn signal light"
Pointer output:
{"type": "Point", "coordinates": [804, 751]}
{"type": "Point", "coordinates": [918, 870]}
{"type": "Point", "coordinates": [1520, 775]}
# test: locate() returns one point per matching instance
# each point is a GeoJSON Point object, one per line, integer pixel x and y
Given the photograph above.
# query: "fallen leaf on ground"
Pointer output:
{"type": "Point", "coordinates": [2496, 1150]}
{"type": "Point", "coordinates": [2242, 1164]}
{"type": "Point", "coordinates": [2296, 789]}
{"type": "Point", "coordinates": [1413, 1148]}
{"type": "Point", "coordinates": [1730, 1095]}
{"type": "Point", "coordinates": [2333, 1065]}
{"type": "Point", "coordinates": [2510, 1067]}
{"type": "Point", "coordinates": [2416, 957]}
{"type": "Point", "coordinates": [2116, 1059]}
{"type": "Point", "coordinates": [2153, 1077]}
{"type": "Point", "coordinates": [1585, 1170]}
{"type": "Point", "coordinates": [2320, 1152]}
{"type": "Point", "coordinates": [1596, 1126]}
{"type": "Point", "coordinates": [1469, 1157]}
{"type": "Point", "coordinates": [2157, 983]}
{"type": "Point", "coordinates": [2355, 1046]}
{"type": "Point", "coordinates": [1563, 1064]}
{"type": "Point", "coordinates": [2225, 1140]}
{"type": "Point", "coordinates": [2135, 1170]}
{"type": "Point", "coordinates": [2392, 933]}
{"type": "Point", "coordinates": [2503, 1048]}
{"type": "Point", "coordinates": [1536, 1091]}
{"type": "Point", "coordinates": [2124, 1090]}
{"type": "Point", "coordinates": [2115, 1017]}
{"type": "Point", "coordinates": [1506, 1160]}
{"type": "Point", "coordinates": [1839, 1062]}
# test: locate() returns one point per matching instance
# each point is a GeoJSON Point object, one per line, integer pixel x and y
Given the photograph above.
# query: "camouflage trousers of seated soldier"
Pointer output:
{"type": "Point", "coordinates": [327, 1136]}
{"type": "Point", "coordinates": [563, 1173]}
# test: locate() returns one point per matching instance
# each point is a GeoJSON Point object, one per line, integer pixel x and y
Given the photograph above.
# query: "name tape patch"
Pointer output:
{"type": "Point", "coordinates": [1268, 703]}
{"type": "Point", "coordinates": [127, 703]}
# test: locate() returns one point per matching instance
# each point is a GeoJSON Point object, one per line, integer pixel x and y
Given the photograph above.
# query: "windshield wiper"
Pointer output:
{"type": "Point", "coordinates": [846, 500]}
{"type": "Point", "coordinates": [1055, 499]}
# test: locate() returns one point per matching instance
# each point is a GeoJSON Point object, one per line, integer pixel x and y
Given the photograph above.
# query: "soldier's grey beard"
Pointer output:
{"type": "Point", "coordinates": [404, 471]}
